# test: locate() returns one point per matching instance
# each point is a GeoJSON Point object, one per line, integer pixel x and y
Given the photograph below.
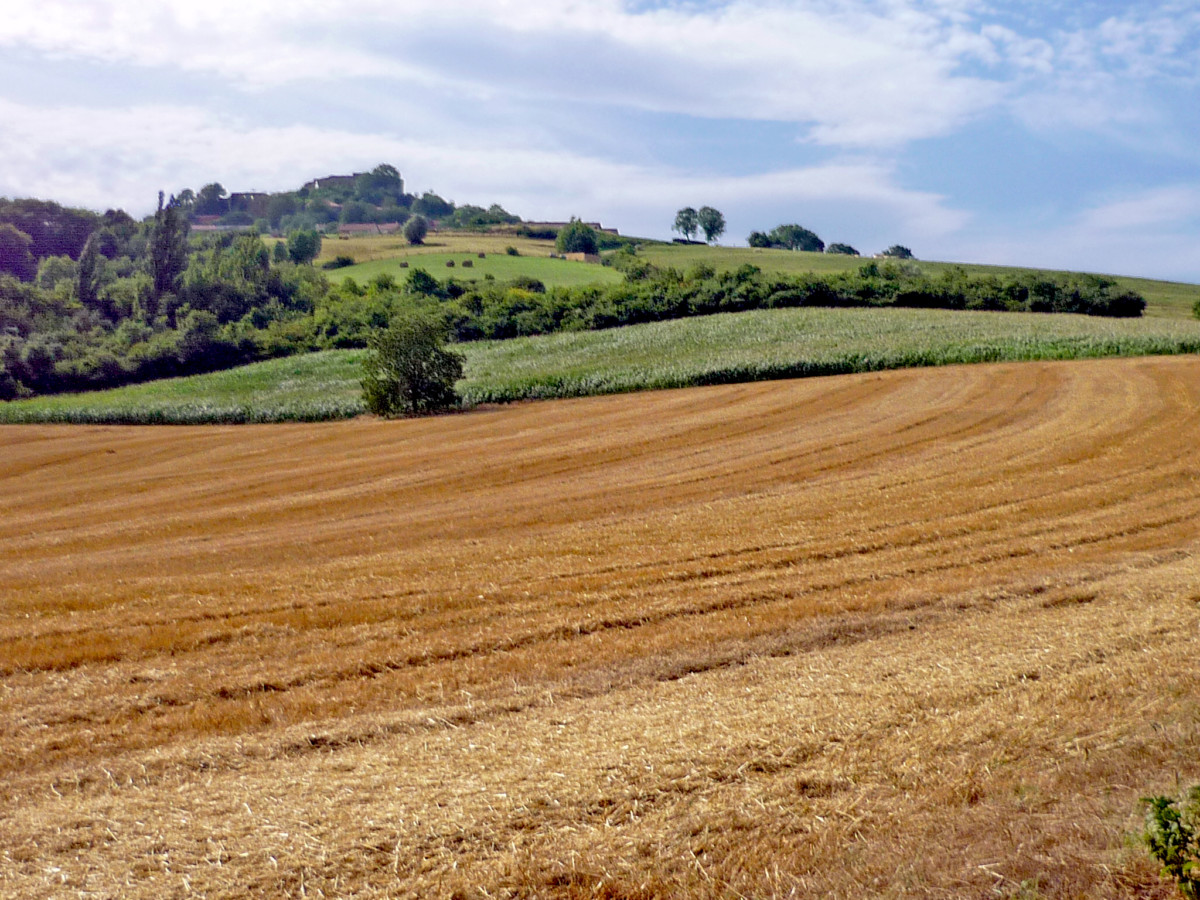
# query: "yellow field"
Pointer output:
{"type": "Point", "coordinates": [926, 633]}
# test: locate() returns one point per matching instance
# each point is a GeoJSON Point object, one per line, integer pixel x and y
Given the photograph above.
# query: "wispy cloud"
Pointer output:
{"type": "Point", "coordinates": [848, 74]}
{"type": "Point", "coordinates": [624, 110]}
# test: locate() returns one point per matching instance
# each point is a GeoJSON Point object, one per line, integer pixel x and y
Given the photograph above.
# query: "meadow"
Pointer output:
{"type": "Point", "coordinates": [921, 633]}
{"type": "Point", "coordinates": [377, 255]}
{"type": "Point", "coordinates": [1165, 299]}
{"type": "Point", "coordinates": [751, 346]}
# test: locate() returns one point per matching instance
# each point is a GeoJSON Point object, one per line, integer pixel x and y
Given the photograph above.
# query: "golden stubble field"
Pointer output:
{"type": "Point", "coordinates": [926, 633]}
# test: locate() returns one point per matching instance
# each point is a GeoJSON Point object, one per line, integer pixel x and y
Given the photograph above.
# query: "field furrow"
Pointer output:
{"type": "Point", "coordinates": [773, 639]}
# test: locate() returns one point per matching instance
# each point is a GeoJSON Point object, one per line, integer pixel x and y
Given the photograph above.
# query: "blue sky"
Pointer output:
{"type": "Point", "coordinates": [1061, 134]}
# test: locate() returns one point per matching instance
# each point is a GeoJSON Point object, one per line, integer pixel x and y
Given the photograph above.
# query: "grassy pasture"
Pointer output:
{"type": "Point", "coordinates": [726, 348]}
{"type": "Point", "coordinates": [551, 272]}
{"type": "Point", "coordinates": [376, 254]}
{"type": "Point", "coordinates": [906, 634]}
{"type": "Point", "coordinates": [369, 247]}
{"type": "Point", "coordinates": [1165, 299]}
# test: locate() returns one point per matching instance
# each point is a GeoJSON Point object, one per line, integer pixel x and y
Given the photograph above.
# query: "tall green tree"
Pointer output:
{"type": "Point", "coordinates": [211, 200]}
{"type": "Point", "coordinates": [686, 222]}
{"type": "Point", "coordinates": [381, 185]}
{"type": "Point", "coordinates": [168, 251]}
{"type": "Point", "coordinates": [88, 272]}
{"type": "Point", "coordinates": [711, 222]}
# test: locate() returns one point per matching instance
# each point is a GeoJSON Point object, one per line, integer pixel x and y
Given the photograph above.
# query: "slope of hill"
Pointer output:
{"type": "Point", "coordinates": [751, 346]}
{"type": "Point", "coordinates": [1164, 299]}
{"type": "Point", "coordinates": [919, 633]}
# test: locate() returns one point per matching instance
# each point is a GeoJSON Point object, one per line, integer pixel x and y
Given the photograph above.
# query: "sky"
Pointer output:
{"type": "Point", "coordinates": [1027, 132]}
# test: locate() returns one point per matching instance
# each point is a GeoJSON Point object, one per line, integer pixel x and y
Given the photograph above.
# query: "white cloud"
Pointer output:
{"type": "Point", "coordinates": [1110, 77]}
{"type": "Point", "coordinates": [1173, 205]}
{"type": "Point", "coordinates": [855, 73]}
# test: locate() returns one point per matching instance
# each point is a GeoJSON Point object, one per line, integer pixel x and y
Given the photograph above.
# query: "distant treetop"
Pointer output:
{"type": "Point", "coordinates": [788, 237]}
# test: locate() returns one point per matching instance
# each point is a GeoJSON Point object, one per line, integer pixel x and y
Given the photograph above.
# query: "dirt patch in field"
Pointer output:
{"type": "Point", "coordinates": [922, 633]}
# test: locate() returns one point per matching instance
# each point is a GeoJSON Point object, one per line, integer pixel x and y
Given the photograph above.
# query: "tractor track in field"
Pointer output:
{"type": "Point", "coordinates": [181, 601]}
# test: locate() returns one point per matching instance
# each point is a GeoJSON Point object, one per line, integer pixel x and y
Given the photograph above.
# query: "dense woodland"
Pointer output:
{"type": "Point", "coordinates": [90, 301]}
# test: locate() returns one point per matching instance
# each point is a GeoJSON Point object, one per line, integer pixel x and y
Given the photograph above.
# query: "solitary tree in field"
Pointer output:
{"type": "Point", "coordinates": [897, 251]}
{"type": "Point", "coordinates": [687, 220]}
{"type": "Point", "coordinates": [577, 237]}
{"type": "Point", "coordinates": [711, 222]}
{"type": "Point", "coordinates": [415, 230]}
{"type": "Point", "coordinates": [843, 249]}
{"type": "Point", "coordinates": [407, 370]}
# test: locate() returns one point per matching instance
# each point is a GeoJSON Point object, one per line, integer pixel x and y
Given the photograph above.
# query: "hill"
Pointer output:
{"type": "Point", "coordinates": [143, 302]}
{"type": "Point", "coordinates": [734, 347]}
{"type": "Point", "coordinates": [909, 634]}
{"type": "Point", "coordinates": [1164, 299]}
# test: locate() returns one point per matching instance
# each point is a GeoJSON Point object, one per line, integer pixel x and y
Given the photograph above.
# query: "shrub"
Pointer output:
{"type": "Point", "coordinates": [415, 230]}
{"type": "Point", "coordinates": [576, 237]}
{"type": "Point", "coordinates": [513, 251]}
{"type": "Point", "coordinates": [449, 264]}
{"type": "Point", "coordinates": [338, 262]}
{"type": "Point", "coordinates": [1173, 837]}
{"type": "Point", "coordinates": [303, 246]}
{"type": "Point", "coordinates": [407, 370]}
{"type": "Point", "coordinates": [467, 264]}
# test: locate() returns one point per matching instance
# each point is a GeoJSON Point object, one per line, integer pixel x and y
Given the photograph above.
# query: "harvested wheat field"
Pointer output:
{"type": "Point", "coordinates": [927, 633]}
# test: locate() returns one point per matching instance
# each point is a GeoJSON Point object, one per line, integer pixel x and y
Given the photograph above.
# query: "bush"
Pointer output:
{"type": "Point", "coordinates": [1173, 837]}
{"type": "Point", "coordinates": [415, 230]}
{"type": "Point", "coordinates": [513, 251]}
{"type": "Point", "coordinates": [303, 246]}
{"type": "Point", "coordinates": [340, 261]}
{"type": "Point", "coordinates": [576, 237]}
{"type": "Point", "coordinates": [407, 370]}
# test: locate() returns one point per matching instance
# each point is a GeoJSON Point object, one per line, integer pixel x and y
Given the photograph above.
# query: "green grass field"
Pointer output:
{"type": "Point", "coordinates": [551, 272]}
{"type": "Point", "coordinates": [377, 254]}
{"type": "Point", "coordinates": [726, 348]}
{"type": "Point", "coordinates": [384, 253]}
{"type": "Point", "coordinates": [1165, 299]}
